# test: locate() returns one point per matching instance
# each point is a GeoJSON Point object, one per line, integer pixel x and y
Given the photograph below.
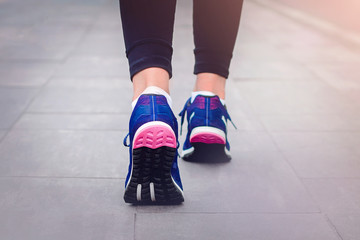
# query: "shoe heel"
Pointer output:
{"type": "Point", "coordinates": [208, 135]}
{"type": "Point", "coordinates": [154, 150]}
{"type": "Point", "coordinates": [209, 145]}
{"type": "Point", "coordinates": [154, 135]}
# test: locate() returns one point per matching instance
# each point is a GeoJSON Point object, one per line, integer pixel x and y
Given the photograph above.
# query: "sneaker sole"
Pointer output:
{"type": "Point", "coordinates": [207, 153]}
{"type": "Point", "coordinates": [153, 155]}
{"type": "Point", "coordinates": [209, 145]}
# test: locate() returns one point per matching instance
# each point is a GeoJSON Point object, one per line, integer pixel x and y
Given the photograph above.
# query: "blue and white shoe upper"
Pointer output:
{"type": "Point", "coordinates": [206, 116]}
{"type": "Point", "coordinates": [150, 108]}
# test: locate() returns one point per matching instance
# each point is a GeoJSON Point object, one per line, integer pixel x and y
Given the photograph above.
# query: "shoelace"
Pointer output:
{"type": "Point", "coordinates": [183, 113]}
{"type": "Point", "coordinates": [188, 103]}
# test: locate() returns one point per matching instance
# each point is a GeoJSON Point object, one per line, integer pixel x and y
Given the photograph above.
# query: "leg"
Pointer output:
{"type": "Point", "coordinates": [216, 25]}
{"type": "Point", "coordinates": [152, 76]}
{"type": "Point", "coordinates": [153, 175]}
{"type": "Point", "coordinates": [148, 30]}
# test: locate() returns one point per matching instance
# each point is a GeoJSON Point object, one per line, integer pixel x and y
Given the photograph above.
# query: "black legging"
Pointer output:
{"type": "Point", "coordinates": [148, 32]}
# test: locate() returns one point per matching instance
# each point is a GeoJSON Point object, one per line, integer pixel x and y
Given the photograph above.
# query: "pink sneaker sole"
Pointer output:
{"type": "Point", "coordinates": [155, 136]}
{"type": "Point", "coordinates": [209, 138]}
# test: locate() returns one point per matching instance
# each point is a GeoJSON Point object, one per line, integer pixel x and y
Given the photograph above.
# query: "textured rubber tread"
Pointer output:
{"type": "Point", "coordinates": [211, 153]}
{"type": "Point", "coordinates": [153, 166]}
{"type": "Point", "coordinates": [155, 136]}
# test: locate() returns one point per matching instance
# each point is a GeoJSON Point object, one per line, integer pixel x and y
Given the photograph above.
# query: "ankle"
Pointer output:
{"type": "Point", "coordinates": [212, 83]}
{"type": "Point", "coordinates": [156, 77]}
{"type": "Point", "coordinates": [153, 90]}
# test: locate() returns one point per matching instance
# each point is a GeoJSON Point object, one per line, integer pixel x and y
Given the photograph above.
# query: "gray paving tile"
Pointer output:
{"type": "Point", "coordinates": [13, 102]}
{"type": "Point", "coordinates": [84, 95]}
{"type": "Point", "coordinates": [311, 122]}
{"type": "Point", "coordinates": [244, 121]}
{"type": "Point", "coordinates": [271, 69]}
{"type": "Point", "coordinates": [74, 121]}
{"type": "Point", "coordinates": [7, 33]}
{"type": "Point", "coordinates": [244, 141]}
{"type": "Point", "coordinates": [47, 40]}
{"type": "Point", "coordinates": [182, 41]}
{"type": "Point", "coordinates": [23, 16]}
{"type": "Point", "coordinates": [260, 52]}
{"type": "Point", "coordinates": [354, 94]}
{"type": "Point", "coordinates": [50, 31]}
{"type": "Point", "coordinates": [336, 196]}
{"type": "Point", "coordinates": [85, 66]}
{"type": "Point", "coordinates": [102, 43]}
{"type": "Point", "coordinates": [343, 76]}
{"type": "Point", "coordinates": [240, 109]}
{"type": "Point", "coordinates": [292, 141]}
{"type": "Point", "coordinates": [63, 153]}
{"type": "Point", "coordinates": [295, 97]}
{"type": "Point", "coordinates": [282, 32]}
{"type": "Point", "coordinates": [184, 13]}
{"type": "Point", "coordinates": [109, 17]}
{"type": "Point", "coordinates": [25, 73]}
{"type": "Point", "coordinates": [2, 134]}
{"type": "Point", "coordinates": [76, 12]}
{"type": "Point", "coordinates": [324, 161]}
{"type": "Point", "coordinates": [64, 209]}
{"type": "Point", "coordinates": [347, 225]}
{"type": "Point", "coordinates": [325, 53]}
{"type": "Point", "coordinates": [233, 226]}
{"type": "Point", "coordinates": [252, 182]}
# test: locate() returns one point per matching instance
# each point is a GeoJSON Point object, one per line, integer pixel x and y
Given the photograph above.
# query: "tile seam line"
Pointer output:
{"type": "Point", "coordinates": [82, 37]}
{"type": "Point", "coordinates": [76, 113]}
{"type": "Point", "coordinates": [301, 180]}
{"type": "Point", "coordinates": [344, 37]}
{"type": "Point", "coordinates": [39, 90]}
{"type": "Point", "coordinates": [62, 177]}
{"type": "Point", "coordinates": [70, 129]}
{"type": "Point", "coordinates": [313, 131]}
{"type": "Point", "coordinates": [134, 226]}
{"type": "Point", "coordinates": [235, 213]}
{"type": "Point", "coordinates": [331, 178]}
{"type": "Point", "coordinates": [332, 226]}
{"type": "Point", "coordinates": [293, 170]}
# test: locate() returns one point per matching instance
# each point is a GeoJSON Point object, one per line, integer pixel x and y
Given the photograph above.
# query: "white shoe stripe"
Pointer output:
{"type": "Point", "coordinates": [152, 192]}
{"type": "Point", "coordinates": [138, 192]}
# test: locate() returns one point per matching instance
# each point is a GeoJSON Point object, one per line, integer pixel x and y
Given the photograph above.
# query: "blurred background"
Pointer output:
{"type": "Point", "coordinates": [345, 14]}
{"type": "Point", "coordinates": [293, 92]}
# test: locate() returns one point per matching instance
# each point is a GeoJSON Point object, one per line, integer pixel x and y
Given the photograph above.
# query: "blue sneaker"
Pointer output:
{"type": "Point", "coordinates": [206, 139]}
{"type": "Point", "coordinates": [153, 176]}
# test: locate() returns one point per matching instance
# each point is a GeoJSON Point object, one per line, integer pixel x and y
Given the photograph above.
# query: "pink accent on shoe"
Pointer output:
{"type": "Point", "coordinates": [155, 137]}
{"type": "Point", "coordinates": [199, 103]}
{"type": "Point", "coordinates": [214, 103]}
{"type": "Point", "coordinates": [209, 138]}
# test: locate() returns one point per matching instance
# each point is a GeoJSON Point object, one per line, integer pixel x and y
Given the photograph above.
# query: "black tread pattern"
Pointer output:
{"type": "Point", "coordinates": [207, 153]}
{"type": "Point", "coordinates": [153, 166]}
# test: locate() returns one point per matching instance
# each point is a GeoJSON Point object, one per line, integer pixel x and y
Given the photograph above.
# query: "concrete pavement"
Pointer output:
{"type": "Point", "coordinates": [294, 93]}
